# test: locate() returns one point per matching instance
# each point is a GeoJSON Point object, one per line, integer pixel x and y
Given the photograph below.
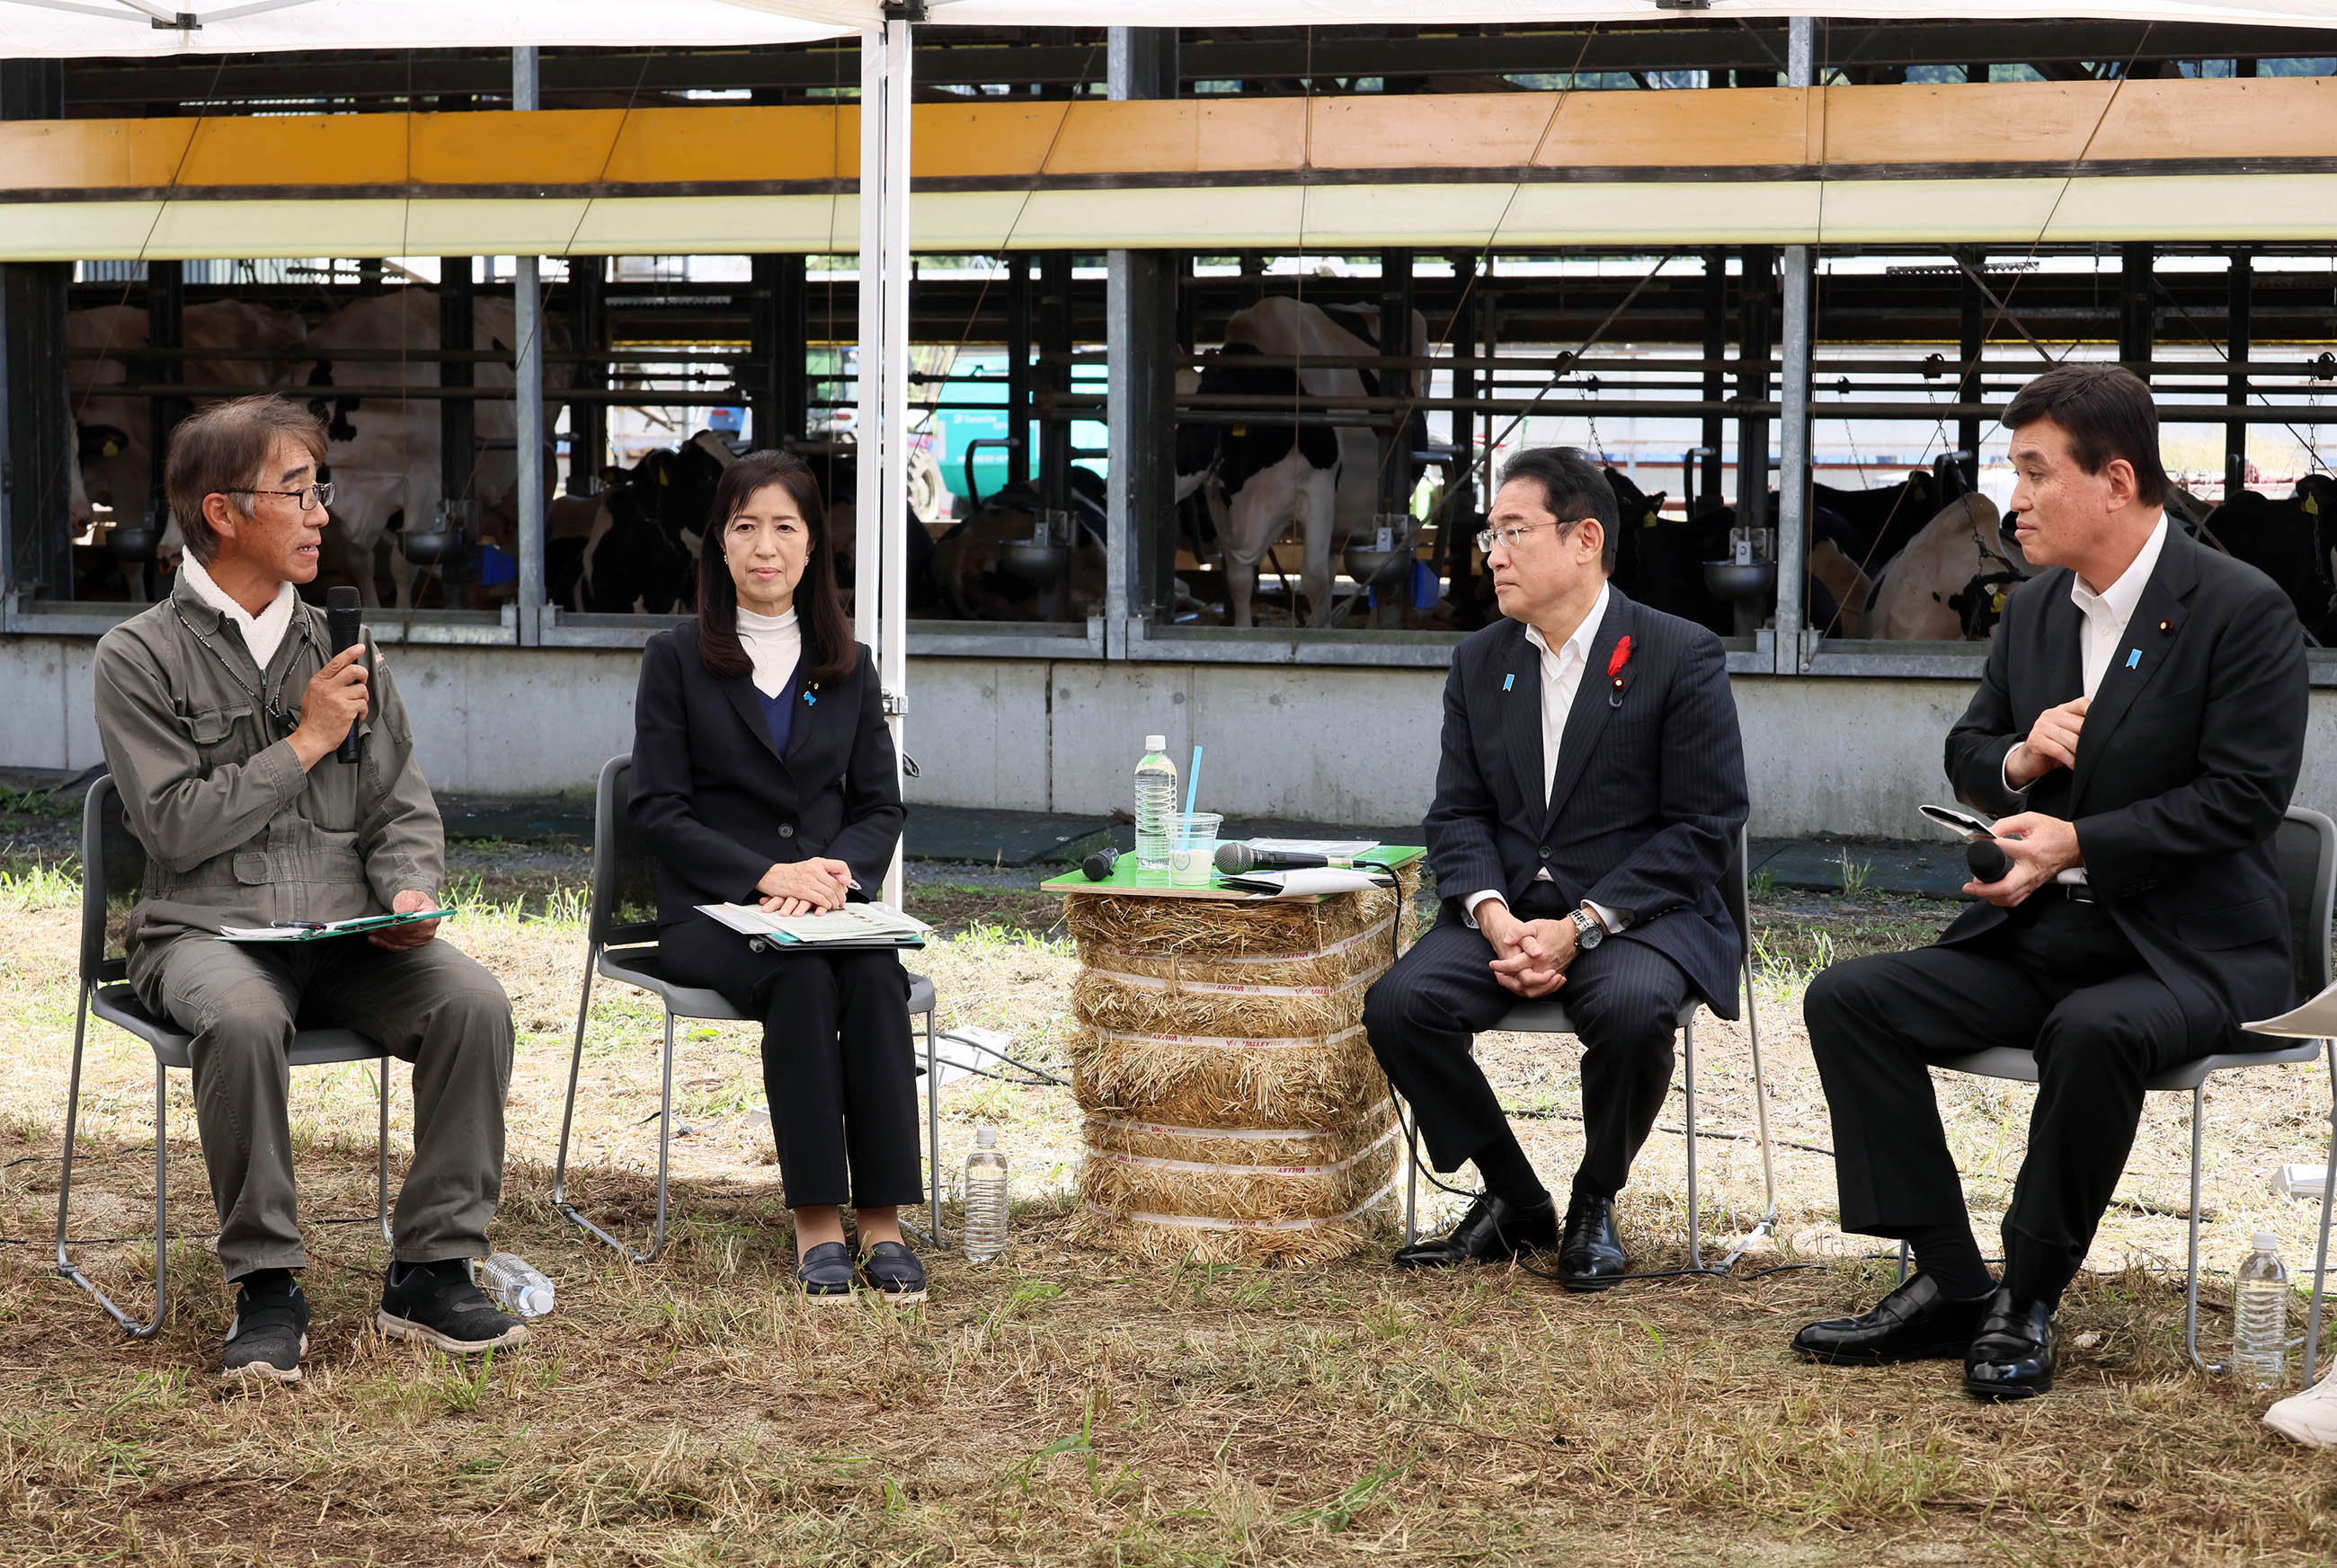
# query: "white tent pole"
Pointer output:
{"type": "Point", "coordinates": [527, 396]}
{"type": "Point", "coordinates": [895, 502]}
{"type": "Point", "coordinates": [868, 546]}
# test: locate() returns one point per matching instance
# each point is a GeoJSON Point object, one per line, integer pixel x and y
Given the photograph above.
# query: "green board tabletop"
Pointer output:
{"type": "Point", "coordinates": [1124, 878]}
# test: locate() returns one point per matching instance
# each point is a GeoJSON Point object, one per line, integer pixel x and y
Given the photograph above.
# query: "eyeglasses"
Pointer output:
{"type": "Point", "coordinates": [317, 494]}
{"type": "Point", "coordinates": [1511, 536]}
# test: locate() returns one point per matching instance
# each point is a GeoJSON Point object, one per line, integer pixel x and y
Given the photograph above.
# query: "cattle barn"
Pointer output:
{"type": "Point", "coordinates": [1208, 339]}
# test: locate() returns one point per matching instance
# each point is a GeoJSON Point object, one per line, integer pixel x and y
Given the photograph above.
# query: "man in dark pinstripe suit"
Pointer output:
{"type": "Point", "coordinates": [1591, 786]}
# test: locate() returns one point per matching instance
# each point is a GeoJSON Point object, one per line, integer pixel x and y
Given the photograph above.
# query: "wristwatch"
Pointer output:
{"type": "Point", "coordinates": [1587, 932]}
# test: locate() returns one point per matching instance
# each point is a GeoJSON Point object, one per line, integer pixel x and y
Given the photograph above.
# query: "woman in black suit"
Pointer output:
{"type": "Point", "coordinates": [763, 769]}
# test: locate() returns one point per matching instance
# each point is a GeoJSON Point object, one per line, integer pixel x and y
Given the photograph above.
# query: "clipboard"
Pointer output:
{"type": "Point", "coordinates": [362, 925]}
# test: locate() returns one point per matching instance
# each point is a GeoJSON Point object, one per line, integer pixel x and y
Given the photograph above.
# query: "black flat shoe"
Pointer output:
{"type": "Point", "coordinates": [824, 1272]}
{"type": "Point", "coordinates": [895, 1273]}
{"type": "Point", "coordinates": [1916, 1322]}
{"type": "Point", "coordinates": [1493, 1231]}
{"type": "Point", "coordinates": [2012, 1356]}
{"type": "Point", "coordinates": [1590, 1257]}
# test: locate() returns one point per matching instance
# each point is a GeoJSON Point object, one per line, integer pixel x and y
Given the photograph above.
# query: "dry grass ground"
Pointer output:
{"type": "Point", "coordinates": [1065, 1407]}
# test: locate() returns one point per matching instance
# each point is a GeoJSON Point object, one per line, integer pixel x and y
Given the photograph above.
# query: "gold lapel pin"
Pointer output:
{"type": "Point", "coordinates": [2165, 626]}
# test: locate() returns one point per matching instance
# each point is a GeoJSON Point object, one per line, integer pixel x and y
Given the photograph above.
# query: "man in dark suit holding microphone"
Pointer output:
{"type": "Point", "coordinates": [1590, 790]}
{"type": "Point", "coordinates": [2137, 732]}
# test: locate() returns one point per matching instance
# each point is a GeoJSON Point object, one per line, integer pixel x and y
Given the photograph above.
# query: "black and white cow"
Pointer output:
{"type": "Point", "coordinates": [1264, 477]}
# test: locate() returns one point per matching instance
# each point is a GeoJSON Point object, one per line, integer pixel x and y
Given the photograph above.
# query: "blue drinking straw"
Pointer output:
{"type": "Point", "coordinates": [1192, 781]}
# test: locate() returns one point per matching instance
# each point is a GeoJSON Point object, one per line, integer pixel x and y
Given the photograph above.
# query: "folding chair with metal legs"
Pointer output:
{"type": "Point", "coordinates": [2305, 845]}
{"type": "Point", "coordinates": [114, 864]}
{"type": "Point", "coordinates": [1550, 1017]}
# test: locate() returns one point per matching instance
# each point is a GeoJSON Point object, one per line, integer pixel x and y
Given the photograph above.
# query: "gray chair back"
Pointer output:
{"type": "Point", "coordinates": [113, 873]}
{"type": "Point", "coordinates": [2305, 845]}
{"type": "Point", "coordinates": [624, 869]}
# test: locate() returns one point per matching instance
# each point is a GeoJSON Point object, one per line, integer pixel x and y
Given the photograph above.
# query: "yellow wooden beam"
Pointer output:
{"type": "Point", "coordinates": [1842, 131]}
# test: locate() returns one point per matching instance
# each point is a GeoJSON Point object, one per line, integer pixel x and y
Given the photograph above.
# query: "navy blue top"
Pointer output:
{"type": "Point", "coordinates": [780, 713]}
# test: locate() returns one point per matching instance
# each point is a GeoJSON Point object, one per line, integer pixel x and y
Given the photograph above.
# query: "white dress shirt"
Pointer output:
{"type": "Point", "coordinates": [1562, 678]}
{"type": "Point", "coordinates": [775, 642]}
{"type": "Point", "coordinates": [263, 633]}
{"type": "Point", "coordinates": [2102, 626]}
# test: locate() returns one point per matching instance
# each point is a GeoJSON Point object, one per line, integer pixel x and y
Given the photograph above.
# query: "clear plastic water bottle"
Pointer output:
{"type": "Point", "coordinates": [985, 1198]}
{"type": "Point", "coordinates": [514, 1282]}
{"type": "Point", "coordinates": [2260, 1316]}
{"type": "Point", "coordinates": [1156, 802]}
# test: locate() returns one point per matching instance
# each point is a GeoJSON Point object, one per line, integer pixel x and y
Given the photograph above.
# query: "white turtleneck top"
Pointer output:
{"type": "Point", "coordinates": [775, 643]}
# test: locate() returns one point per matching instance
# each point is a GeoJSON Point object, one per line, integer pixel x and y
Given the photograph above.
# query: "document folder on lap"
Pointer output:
{"type": "Point", "coordinates": [853, 926]}
{"type": "Point", "coordinates": [310, 932]}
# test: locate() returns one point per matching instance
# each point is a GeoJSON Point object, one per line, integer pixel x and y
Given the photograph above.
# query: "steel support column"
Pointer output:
{"type": "Point", "coordinates": [1395, 339]}
{"type": "Point", "coordinates": [527, 396]}
{"type": "Point", "coordinates": [1018, 366]}
{"type": "Point", "coordinates": [2137, 310]}
{"type": "Point", "coordinates": [779, 332]}
{"type": "Point", "coordinates": [1793, 404]}
{"type": "Point", "coordinates": [587, 419]}
{"type": "Point", "coordinates": [1970, 339]}
{"type": "Point", "coordinates": [1715, 381]}
{"type": "Point", "coordinates": [166, 332]}
{"type": "Point", "coordinates": [35, 413]}
{"type": "Point", "coordinates": [1138, 314]}
{"type": "Point", "coordinates": [1054, 374]}
{"type": "Point", "coordinates": [1753, 386]}
{"type": "Point", "coordinates": [457, 417]}
{"type": "Point", "coordinates": [2241, 285]}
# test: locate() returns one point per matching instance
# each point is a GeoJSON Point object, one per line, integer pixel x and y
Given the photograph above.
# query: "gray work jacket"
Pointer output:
{"type": "Point", "coordinates": [235, 833]}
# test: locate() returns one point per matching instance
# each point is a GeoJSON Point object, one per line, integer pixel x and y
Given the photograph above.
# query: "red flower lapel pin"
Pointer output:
{"type": "Point", "coordinates": [1615, 665]}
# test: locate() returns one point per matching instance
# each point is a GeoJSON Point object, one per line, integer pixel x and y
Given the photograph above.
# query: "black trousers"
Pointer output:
{"type": "Point", "coordinates": [838, 1066]}
{"type": "Point", "coordinates": [2058, 979]}
{"type": "Point", "coordinates": [1622, 996]}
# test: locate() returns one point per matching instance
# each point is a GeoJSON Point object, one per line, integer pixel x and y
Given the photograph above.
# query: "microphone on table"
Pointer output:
{"type": "Point", "coordinates": [341, 609]}
{"type": "Point", "coordinates": [1987, 859]}
{"type": "Point", "coordinates": [1099, 864]}
{"type": "Point", "coordinates": [1236, 859]}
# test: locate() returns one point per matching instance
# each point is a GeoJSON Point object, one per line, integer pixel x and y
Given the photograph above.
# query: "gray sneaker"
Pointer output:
{"type": "Point", "coordinates": [268, 1335]}
{"type": "Point", "coordinates": [439, 1304]}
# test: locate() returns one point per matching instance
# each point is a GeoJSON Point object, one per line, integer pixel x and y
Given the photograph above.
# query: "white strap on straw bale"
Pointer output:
{"type": "Point", "coordinates": [1203, 1168]}
{"type": "Point", "coordinates": [1289, 1042]}
{"type": "Point", "coordinates": [1358, 939]}
{"type": "Point", "coordinates": [1288, 1134]}
{"type": "Point", "coordinates": [1210, 987]}
{"type": "Point", "coordinates": [1196, 1223]}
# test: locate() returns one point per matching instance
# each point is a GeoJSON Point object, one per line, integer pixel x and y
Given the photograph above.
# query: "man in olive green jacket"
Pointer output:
{"type": "Point", "coordinates": [221, 710]}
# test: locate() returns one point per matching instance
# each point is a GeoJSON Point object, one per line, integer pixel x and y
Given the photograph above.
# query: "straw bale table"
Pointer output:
{"type": "Point", "coordinates": [1233, 1110]}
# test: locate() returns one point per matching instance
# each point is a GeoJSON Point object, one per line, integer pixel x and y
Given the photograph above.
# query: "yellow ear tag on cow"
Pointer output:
{"type": "Point", "coordinates": [663, 477]}
{"type": "Point", "coordinates": [1647, 518]}
{"type": "Point", "coordinates": [1996, 601]}
{"type": "Point", "coordinates": [113, 449]}
{"type": "Point", "coordinates": [2313, 506]}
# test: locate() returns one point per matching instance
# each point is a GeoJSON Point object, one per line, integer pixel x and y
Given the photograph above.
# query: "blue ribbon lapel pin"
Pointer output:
{"type": "Point", "coordinates": [1509, 680]}
{"type": "Point", "coordinates": [2134, 659]}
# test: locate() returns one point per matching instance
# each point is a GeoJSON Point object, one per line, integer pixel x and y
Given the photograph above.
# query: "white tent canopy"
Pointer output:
{"type": "Point", "coordinates": [1471, 12]}
{"type": "Point", "coordinates": [62, 29]}
{"type": "Point", "coordinates": [53, 29]}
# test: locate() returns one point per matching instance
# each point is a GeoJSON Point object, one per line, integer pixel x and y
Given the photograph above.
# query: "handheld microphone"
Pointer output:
{"type": "Point", "coordinates": [1099, 864]}
{"type": "Point", "coordinates": [341, 624]}
{"type": "Point", "coordinates": [1987, 859]}
{"type": "Point", "coordinates": [1237, 858]}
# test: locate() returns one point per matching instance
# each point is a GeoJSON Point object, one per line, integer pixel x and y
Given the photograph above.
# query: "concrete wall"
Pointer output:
{"type": "Point", "coordinates": [1320, 744]}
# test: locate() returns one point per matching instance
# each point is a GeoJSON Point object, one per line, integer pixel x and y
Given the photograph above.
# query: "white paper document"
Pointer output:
{"type": "Point", "coordinates": [2315, 1020]}
{"type": "Point", "coordinates": [1305, 884]}
{"type": "Point", "coordinates": [860, 925]}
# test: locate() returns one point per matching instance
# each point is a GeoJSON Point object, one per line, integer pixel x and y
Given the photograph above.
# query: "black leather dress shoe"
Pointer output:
{"type": "Point", "coordinates": [1494, 1229]}
{"type": "Point", "coordinates": [1590, 1254]}
{"type": "Point", "coordinates": [2011, 1357]}
{"type": "Point", "coordinates": [1916, 1322]}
